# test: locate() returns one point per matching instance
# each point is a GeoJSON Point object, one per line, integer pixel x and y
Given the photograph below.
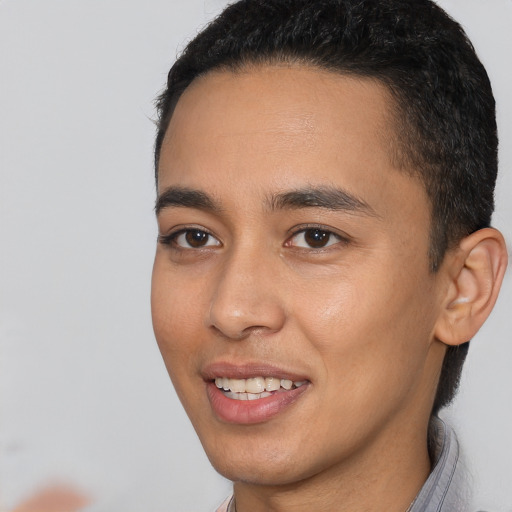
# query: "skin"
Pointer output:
{"type": "Point", "coordinates": [56, 498]}
{"type": "Point", "coordinates": [357, 317]}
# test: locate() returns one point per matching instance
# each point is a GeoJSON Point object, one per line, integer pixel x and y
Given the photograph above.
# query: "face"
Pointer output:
{"type": "Point", "coordinates": [292, 271]}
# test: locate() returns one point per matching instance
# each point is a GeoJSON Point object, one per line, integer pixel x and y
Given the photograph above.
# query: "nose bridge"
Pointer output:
{"type": "Point", "coordinates": [246, 296]}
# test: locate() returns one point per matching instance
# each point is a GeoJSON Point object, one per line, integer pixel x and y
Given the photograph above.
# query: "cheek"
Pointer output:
{"type": "Point", "coordinates": [175, 315]}
{"type": "Point", "coordinates": [377, 320]}
{"type": "Point", "coordinates": [175, 319]}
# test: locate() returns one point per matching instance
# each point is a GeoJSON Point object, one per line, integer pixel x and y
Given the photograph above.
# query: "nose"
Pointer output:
{"type": "Point", "coordinates": [247, 297]}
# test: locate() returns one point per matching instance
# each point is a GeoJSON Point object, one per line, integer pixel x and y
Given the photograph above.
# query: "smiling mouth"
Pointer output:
{"type": "Point", "coordinates": [255, 387]}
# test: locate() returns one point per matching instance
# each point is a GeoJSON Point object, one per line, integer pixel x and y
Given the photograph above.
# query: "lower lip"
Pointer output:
{"type": "Point", "coordinates": [247, 412]}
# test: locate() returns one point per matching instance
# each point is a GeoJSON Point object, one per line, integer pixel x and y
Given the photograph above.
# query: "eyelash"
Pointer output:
{"type": "Point", "coordinates": [302, 230]}
{"type": "Point", "coordinates": [172, 238]}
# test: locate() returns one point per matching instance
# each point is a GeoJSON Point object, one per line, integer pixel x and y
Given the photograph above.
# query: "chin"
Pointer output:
{"type": "Point", "coordinates": [259, 463]}
{"type": "Point", "coordinates": [254, 473]}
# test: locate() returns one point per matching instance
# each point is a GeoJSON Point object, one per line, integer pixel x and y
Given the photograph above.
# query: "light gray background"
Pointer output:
{"type": "Point", "coordinates": [84, 396]}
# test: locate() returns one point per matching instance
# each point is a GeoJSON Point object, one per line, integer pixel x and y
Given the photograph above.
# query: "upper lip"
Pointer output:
{"type": "Point", "coordinates": [249, 370]}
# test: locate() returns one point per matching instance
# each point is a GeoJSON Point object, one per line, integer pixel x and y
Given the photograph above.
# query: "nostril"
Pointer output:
{"type": "Point", "coordinates": [237, 325]}
{"type": "Point", "coordinates": [231, 333]}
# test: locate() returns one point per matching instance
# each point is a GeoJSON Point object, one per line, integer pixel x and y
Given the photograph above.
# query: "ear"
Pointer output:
{"type": "Point", "coordinates": [475, 271]}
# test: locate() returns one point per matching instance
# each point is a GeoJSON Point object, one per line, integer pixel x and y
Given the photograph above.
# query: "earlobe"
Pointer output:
{"type": "Point", "coordinates": [476, 268]}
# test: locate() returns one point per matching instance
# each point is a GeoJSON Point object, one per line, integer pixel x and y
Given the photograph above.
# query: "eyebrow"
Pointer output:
{"type": "Point", "coordinates": [329, 198]}
{"type": "Point", "coordinates": [182, 197]}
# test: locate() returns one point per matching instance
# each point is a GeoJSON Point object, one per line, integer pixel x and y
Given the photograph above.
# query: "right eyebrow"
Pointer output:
{"type": "Point", "coordinates": [182, 197]}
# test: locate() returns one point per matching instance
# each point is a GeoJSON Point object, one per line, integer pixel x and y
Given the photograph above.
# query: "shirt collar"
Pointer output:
{"type": "Point", "coordinates": [443, 490]}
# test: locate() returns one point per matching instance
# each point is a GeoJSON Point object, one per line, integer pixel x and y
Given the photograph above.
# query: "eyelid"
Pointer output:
{"type": "Point", "coordinates": [170, 238]}
{"type": "Point", "coordinates": [342, 237]}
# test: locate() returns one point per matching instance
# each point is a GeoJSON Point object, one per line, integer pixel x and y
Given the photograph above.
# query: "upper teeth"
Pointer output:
{"type": "Point", "coordinates": [256, 384]}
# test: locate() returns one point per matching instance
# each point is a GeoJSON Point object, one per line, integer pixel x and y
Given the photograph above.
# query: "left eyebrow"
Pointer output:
{"type": "Point", "coordinates": [329, 198]}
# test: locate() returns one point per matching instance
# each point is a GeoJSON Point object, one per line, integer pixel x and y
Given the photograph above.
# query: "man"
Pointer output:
{"type": "Point", "coordinates": [325, 176]}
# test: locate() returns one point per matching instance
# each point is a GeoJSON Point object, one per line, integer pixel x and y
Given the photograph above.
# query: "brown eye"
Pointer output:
{"type": "Point", "coordinates": [314, 238]}
{"type": "Point", "coordinates": [195, 239]}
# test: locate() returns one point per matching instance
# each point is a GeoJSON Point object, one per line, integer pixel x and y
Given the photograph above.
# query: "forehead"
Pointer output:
{"type": "Point", "coordinates": [301, 107]}
{"type": "Point", "coordinates": [266, 129]}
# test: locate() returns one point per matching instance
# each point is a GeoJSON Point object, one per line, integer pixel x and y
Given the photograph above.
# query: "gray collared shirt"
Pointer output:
{"type": "Point", "coordinates": [444, 489]}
